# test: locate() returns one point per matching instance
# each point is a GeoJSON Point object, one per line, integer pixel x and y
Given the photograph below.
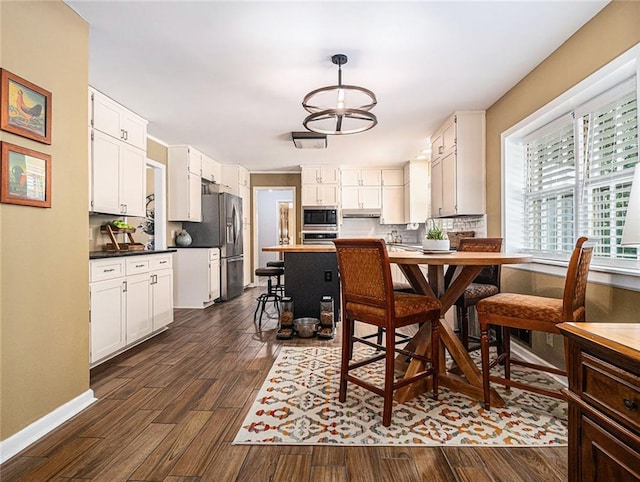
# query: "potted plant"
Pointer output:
{"type": "Point", "coordinates": [435, 239]}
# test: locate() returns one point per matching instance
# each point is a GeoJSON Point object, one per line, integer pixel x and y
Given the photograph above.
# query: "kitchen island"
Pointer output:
{"type": "Point", "coordinates": [311, 272]}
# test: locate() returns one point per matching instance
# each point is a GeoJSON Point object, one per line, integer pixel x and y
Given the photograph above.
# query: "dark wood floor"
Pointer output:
{"type": "Point", "coordinates": [169, 409]}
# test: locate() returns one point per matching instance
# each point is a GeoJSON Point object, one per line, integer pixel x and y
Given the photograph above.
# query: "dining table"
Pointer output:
{"type": "Point", "coordinates": [463, 375]}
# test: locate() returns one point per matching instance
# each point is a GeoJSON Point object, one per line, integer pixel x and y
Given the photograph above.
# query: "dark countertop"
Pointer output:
{"type": "Point", "coordinates": [119, 254]}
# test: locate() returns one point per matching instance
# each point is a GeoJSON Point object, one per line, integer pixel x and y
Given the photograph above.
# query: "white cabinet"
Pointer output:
{"type": "Point", "coordinates": [320, 174]}
{"type": "Point", "coordinates": [117, 121]}
{"type": "Point", "coordinates": [361, 177]}
{"type": "Point", "coordinates": [185, 184]}
{"type": "Point", "coordinates": [197, 277]}
{"type": "Point", "coordinates": [392, 196]}
{"type": "Point", "coordinates": [361, 197]}
{"type": "Point", "coordinates": [235, 177]}
{"type": "Point", "coordinates": [118, 180]}
{"type": "Point", "coordinates": [320, 185]}
{"type": "Point", "coordinates": [130, 299]}
{"type": "Point", "coordinates": [458, 166]}
{"type": "Point", "coordinates": [320, 195]}
{"type": "Point", "coordinates": [108, 317]}
{"type": "Point", "coordinates": [211, 170]}
{"type": "Point", "coordinates": [417, 192]}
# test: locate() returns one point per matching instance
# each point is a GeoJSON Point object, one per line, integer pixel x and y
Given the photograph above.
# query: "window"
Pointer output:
{"type": "Point", "coordinates": [568, 170]}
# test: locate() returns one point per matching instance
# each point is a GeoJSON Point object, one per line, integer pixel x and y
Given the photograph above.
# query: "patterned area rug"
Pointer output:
{"type": "Point", "coordinates": [298, 405]}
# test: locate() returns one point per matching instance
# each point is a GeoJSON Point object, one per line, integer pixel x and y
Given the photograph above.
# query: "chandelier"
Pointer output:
{"type": "Point", "coordinates": [340, 109]}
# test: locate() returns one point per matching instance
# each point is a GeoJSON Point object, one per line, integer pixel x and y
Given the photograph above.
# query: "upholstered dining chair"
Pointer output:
{"type": "Point", "coordinates": [535, 313]}
{"type": "Point", "coordinates": [368, 297]}
{"type": "Point", "coordinates": [486, 284]}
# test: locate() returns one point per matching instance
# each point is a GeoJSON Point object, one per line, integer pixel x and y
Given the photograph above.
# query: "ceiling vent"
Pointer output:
{"type": "Point", "coordinates": [309, 140]}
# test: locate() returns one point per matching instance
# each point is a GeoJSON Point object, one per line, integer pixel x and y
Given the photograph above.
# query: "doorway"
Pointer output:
{"type": "Point", "coordinates": [274, 221]}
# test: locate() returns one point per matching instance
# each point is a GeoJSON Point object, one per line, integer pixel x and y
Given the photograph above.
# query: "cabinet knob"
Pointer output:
{"type": "Point", "coordinates": [629, 404]}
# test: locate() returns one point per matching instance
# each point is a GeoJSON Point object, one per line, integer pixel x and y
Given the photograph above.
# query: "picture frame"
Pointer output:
{"type": "Point", "coordinates": [25, 108]}
{"type": "Point", "coordinates": [25, 176]}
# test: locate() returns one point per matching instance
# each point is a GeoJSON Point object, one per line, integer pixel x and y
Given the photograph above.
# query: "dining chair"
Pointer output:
{"type": "Point", "coordinates": [486, 284]}
{"type": "Point", "coordinates": [535, 313]}
{"type": "Point", "coordinates": [368, 297]}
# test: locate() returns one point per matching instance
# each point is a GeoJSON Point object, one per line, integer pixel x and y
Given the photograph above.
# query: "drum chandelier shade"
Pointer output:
{"type": "Point", "coordinates": [340, 109]}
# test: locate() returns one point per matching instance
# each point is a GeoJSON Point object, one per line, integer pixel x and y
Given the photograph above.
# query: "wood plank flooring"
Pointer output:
{"type": "Point", "coordinates": [169, 409]}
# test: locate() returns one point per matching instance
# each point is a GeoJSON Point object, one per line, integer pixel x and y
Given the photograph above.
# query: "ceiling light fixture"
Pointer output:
{"type": "Point", "coordinates": [309, 140]}
{"type": "Point", "coordinates": [340, 109]}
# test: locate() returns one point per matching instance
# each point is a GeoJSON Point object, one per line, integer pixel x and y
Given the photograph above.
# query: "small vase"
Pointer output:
{"type": "Point", "coordinates": [435, 244]}
{"type": "Point", "coordinates": [183, 239]}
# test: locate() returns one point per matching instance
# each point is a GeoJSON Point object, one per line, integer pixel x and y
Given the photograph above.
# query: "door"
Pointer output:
{"type": "Point", "coordinates": [232, 245]}
{"type": "Point", "coordinates": [107, 318]}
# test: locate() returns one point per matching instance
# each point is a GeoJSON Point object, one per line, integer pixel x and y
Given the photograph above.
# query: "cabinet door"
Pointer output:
{"type": "Point", "coordinates": [310, 175]}
{"type": "Point", "coordinates": [350, 197]}
{"type": "Point", "coordinates": [449, 135]}
{"type": "Point", "coordinates": [138, 307]}
{"type": "Point", "coordinates": [210, 169]}
{"type": "Point", "coordinates": [106, 115]}
{"type": "Point", "coordinates": [133, 181]}
{"type": "Point", "coordinates": [214, 279]}
{"type": "Point", "coordinates": [328, 195]}
{"type": "Point", "coordinates": [392, 205]}
{"type": "Point", "coordinates": [392, 177]}
{"type": "Point", "coordinates": [370, 177]}
{"type": "Point", "coordinates": [243, 177]}
{"type": "Point", "coordinates": [350, 177]}
{"type": "Point", "coordinates": [309, 195]}
{"type": "Point", "coordinates": [107, 318]}
{"type": "Point", "coordinates": [105, 172]}
{"type": "Point", "coordinates": [135, 130]}
{"type": "Point", "coordinates": [449, 184]}
{"type": "Point", "coordinates": [195, 161]}
{"type": "Point", "coordinates": [245, 194]}
{"type": "Point", "coordinates": [195, 197]}
{"type": "Point", "coordinates": [162, 298]}
{"type": "Point", "coordinates": [370, 197]}
{"type": "Point", "coordinates": [436, 188]}
{"type": "Point", "coordinates": [329, 175]}
{"type": "Point", "coordinates": [246, 237]}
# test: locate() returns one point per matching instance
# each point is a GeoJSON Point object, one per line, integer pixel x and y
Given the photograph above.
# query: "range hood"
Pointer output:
{"type": "Point", "coordinates": [360, 213]}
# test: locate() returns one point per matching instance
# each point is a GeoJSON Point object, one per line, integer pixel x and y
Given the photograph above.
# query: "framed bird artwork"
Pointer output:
{"type": "Point", "coordinates": [25, 108]}
{"type": "Point", "coordinates": [25, 176]}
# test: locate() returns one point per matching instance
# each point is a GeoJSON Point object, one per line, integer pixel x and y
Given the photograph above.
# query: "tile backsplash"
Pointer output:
{"type": "Point", "coordinates": [371, 228]}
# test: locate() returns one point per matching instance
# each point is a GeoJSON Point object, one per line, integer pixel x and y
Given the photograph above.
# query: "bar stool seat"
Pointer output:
{"type": "Point", "coordinates": [271, 294]}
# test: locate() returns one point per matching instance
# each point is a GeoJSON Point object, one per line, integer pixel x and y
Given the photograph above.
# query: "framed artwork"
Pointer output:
{"type": "Point", "coordinates": [25, 176]}
{"type": "Point", "coordinates": [25, 108]}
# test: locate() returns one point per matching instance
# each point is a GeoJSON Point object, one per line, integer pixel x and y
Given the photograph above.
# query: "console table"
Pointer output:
{"type": "Point", "coordinates": [604, 401]}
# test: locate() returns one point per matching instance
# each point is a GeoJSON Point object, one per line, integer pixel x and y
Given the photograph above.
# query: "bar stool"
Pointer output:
{"type": "Point", "coordinates": [279, 287]}
{"type": "Point", "coordinates": [271, 294]}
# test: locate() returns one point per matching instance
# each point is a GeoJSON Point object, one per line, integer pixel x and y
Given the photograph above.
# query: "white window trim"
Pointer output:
{"type": "Point", "coordinates": [612, 74]}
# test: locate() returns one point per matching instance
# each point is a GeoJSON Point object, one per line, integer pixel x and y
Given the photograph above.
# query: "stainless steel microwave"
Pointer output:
{"type": "Point", "coordinates": [319, 218]}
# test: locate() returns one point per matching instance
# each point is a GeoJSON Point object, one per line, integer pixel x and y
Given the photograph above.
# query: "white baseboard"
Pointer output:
{"type": "Point", "coordinates": [42, 426]}
{"type": "Point", "coordinates": [527, 356]}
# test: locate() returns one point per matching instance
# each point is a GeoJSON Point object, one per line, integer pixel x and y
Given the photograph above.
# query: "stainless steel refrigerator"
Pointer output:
{"type": "Point", "coordinates": [221, 227]}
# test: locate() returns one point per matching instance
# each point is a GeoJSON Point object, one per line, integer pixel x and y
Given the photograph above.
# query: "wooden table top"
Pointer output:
{"type": "Point", "coordinates": [301, 248]}
{"type": "Point", "coordinates": [620, 337]}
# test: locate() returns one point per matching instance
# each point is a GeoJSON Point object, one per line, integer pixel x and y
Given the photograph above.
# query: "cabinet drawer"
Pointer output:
{"type": "Point", "coordinates": [161, 261]}
{"type": "Point", "coordinates": [138, 264]}
{"type": "Point", "coordinates": [612, 389]}
{"type": "Point", "coordinates": [106, 269]}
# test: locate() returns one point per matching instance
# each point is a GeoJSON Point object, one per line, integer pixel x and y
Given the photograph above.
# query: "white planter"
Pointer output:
{"type": "Point", "coordinates": [435, 244]}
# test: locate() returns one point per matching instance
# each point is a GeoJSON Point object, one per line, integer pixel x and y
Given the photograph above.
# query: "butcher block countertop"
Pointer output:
{"type": "Point", "coordinates": [302, 248]}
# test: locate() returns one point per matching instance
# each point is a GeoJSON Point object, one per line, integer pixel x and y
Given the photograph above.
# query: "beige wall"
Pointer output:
{"type": "Point", "coordinates": [614, 30]}
{"type": "Point", "coordinates": [44, 309]}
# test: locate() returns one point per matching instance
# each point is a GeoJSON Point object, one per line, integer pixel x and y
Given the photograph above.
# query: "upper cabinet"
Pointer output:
{"type": "Point", "coordinates": [115, 120]}
{"type": "Point", "coordinates": [184, 186]}
{"type": "Point", "coordinates": [320, 185]}
{"type": "Point", "coordinates": [236, 178]}
{"type": "Point", "coordinates": [211, 170]}
{"type": "Point", "coordinates": [416, 192]}
{"type": "Point", "coordinates": [361, 177]}
{"type": "Point", "coordinates": [392, 196]}
{"type": "Point", "coordinates": [118, 137]}
{"type": "Point", "coordinates": [458, 166]}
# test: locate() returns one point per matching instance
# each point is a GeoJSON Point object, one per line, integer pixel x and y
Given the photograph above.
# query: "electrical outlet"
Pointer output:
{"type": "Point", "coordinates": [549, 338]}
{"type": "Point", "coordinates": [90, 234]}
{"type": "Point", "coordinates": [173, 234]}
{"type": "Point", "coordinates": [328, 276]}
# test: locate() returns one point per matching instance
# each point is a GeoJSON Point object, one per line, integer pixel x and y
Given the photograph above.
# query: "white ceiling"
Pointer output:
{"type": "Point", "coordinates": [228, 77]}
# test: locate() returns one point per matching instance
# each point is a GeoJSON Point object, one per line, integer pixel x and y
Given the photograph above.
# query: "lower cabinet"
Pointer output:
{"type": "Point", "coordinates": [197, 283]}
{"type": "Point", "coordinates": [130, 299]}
